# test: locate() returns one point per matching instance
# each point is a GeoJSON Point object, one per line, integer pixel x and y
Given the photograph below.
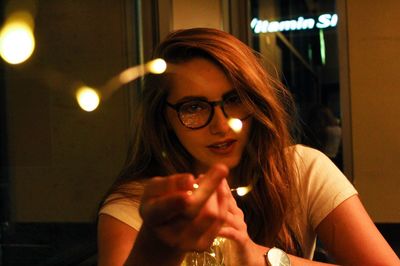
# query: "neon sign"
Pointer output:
{"type": "Point", "coordinates": [301, 23]}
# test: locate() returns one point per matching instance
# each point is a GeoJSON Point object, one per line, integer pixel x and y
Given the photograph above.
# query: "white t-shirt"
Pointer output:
{"type": "Point", "coordinates": [321, 185]}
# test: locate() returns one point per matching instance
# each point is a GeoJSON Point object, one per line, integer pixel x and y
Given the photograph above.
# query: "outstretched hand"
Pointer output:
{"type": "Point", "coordinates": [182, 217]}
{"type": "Point", "coordinates": [243, 251]}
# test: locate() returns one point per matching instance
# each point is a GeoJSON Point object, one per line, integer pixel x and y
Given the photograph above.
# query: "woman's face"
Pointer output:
{"type": "Point", "coordinates": [216, 142]}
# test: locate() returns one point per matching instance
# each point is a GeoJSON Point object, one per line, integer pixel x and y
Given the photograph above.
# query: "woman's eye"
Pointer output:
{"type": "Point", "coordinates": [234, 99]}
{"type": "Point", "coordinates": [194, 107]}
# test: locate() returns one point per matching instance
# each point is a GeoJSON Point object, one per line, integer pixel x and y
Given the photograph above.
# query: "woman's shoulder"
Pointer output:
{"type": "Point", "coordinates": [322, 185]}
{"type": "Point", "coordinates": [312, 164]}
{"type": "Point", "coordinates": [305, 151]}
{"type": "Point", "coordinates": [306, 155]}
{"type": "Point", "coordinates": [123, 204]}
{"type": "Point", "coordinates": [130, 191]}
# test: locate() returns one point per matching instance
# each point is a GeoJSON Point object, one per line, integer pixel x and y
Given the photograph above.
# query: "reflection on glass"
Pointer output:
{"type": "Point", "coordinates": [213, 257]}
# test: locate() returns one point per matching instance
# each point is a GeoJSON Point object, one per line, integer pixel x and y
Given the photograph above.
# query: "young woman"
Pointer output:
{"type": "Point", "coordinates": [174, 198]}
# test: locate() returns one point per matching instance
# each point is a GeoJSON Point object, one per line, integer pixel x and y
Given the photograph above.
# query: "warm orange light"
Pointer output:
{"type": "Point", "coordinates": [88, 98]}
{"type": "Point", "coordinates": [17, 41]}
{"type": "Point", "coordinates": [241, 191]}
{"type": "Point", "coordinates": [156, 66]}
{"type": "Point", "coordinates": [235, 124]}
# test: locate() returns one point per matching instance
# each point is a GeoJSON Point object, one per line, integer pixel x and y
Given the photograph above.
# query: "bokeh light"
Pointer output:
{"type": "Point", "coordinates": [241, 191]}
{"type": "Point", "coordinates": [235, 124]}
{"type": "Point", "coordinates": [17, 41]}
{"type": "Point", "coordinates": [156, 66]}
{"type": "Point", "coordinates": [88, 98]}
{"type": "Point", "coordinates": [130, 74]}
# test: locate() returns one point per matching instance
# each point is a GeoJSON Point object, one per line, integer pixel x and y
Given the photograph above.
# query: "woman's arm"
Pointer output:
{"type": "Point", "coordinates": [114, 240]}
{"type": "Point", "coordinates": [350, 236]}
{"type": "Point", "coordinates": [174, 221]}
{"type": "Point", "coordinates": [243, 250]}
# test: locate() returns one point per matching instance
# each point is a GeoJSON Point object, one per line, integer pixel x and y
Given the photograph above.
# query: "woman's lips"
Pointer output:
{"type": "Point", "coordinates": [223, 147]}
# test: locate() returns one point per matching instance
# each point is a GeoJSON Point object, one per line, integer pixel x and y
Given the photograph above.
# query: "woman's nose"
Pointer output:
{"type": "Point", "coordinates": [219, 122]}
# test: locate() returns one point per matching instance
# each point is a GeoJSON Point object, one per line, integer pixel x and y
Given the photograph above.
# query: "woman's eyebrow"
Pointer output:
{"type": "Point", "coordinates": [203, 98]}
{"type": "Point", "coordinates": [229, 93]}
{"type": "Point", "coordinates": [191, 98]}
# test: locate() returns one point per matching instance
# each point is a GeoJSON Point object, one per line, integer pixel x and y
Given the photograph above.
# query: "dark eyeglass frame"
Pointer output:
{"type": "Point", "coordinates": [213, 104]}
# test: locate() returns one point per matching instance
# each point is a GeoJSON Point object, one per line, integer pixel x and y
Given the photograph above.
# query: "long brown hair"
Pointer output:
{"type": "Point", "coordinates": [266, 162]}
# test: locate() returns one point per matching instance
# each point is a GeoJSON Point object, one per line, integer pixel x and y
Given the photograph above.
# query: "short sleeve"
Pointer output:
{"type": "Point", "coordinates": [323, 185]}
{"type": "Point", "coordinates": [127, 211]}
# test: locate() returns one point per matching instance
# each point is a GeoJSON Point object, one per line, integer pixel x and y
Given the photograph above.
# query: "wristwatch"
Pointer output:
{"type": "Point", "coordinates": [276, 257]}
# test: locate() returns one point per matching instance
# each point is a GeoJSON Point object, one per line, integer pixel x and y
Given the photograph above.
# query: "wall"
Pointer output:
{"type": "Point", "coordinates": [197, 13]}
{"type": "Point", "coordinates": [61, 158]}
{"type": "Point", "coordinates": [373, 48]}
{"type": "Point", "coordinates": [272, 53]}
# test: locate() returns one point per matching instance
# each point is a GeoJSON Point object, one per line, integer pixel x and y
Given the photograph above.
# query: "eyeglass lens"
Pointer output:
{"type": "Point", "coordinates": [197, 113]}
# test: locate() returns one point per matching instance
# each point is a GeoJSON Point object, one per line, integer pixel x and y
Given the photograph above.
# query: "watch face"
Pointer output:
{"type": "Point", "coordinates": [277, 257]}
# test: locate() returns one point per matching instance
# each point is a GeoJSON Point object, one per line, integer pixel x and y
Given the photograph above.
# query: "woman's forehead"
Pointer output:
{"type": "Point", "coordinates": [198, 77]}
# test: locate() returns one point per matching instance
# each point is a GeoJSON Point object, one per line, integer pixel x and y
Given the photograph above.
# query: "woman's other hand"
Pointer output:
{"type": "Point", "coordinates": [242, 250]}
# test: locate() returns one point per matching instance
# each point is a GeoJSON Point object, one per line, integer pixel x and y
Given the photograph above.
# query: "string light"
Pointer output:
{"type": "Point", "coordinates": [235, 124]}
{"type": "Point", "coordinates": [242, 191]}
{"type": "Point", "coordinates": [17, 41]}
{"type": "Point", "coordinates": [156, 66]}
{"type": "Point", "coordinates": [88, 98]}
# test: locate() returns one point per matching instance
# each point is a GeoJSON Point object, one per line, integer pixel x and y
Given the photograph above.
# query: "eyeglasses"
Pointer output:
{"type": "Point", "coordinates": [198, 113]}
